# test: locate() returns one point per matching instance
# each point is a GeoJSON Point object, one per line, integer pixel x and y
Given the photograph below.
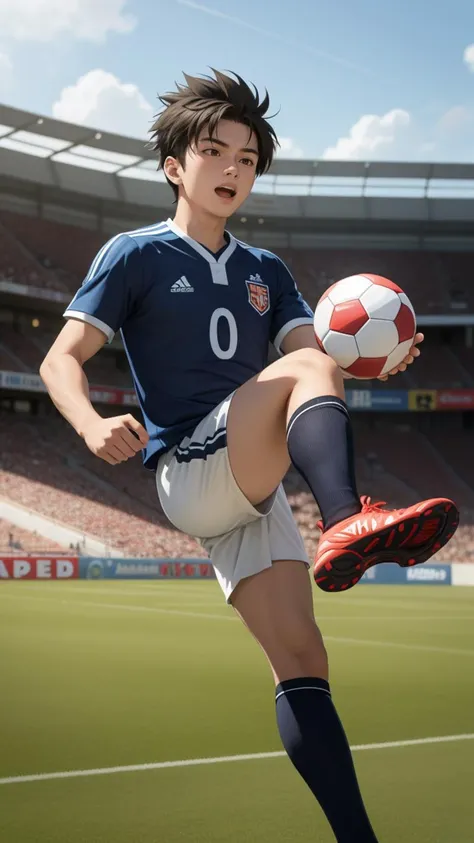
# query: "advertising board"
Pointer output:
{"type": "Point", "coordinates": [391, 574]}
{"type": "Point", "coordinates": [39, 567]}
{"type": "Point", "coordinates": [96, 567]}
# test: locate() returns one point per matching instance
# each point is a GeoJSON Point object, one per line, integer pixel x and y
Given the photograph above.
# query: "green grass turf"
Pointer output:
{"type": "Point", "coordinates": [108, 673]}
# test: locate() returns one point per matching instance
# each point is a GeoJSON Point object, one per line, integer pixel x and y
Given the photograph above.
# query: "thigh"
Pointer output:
{"type": "Point", "coordinates": [256, 431]}
{"type": "Point", "coordinates": [258, 415]}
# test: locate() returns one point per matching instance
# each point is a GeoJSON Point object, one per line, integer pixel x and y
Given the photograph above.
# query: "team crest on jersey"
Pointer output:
{"type": "Point", "coordinates": [259, 294]}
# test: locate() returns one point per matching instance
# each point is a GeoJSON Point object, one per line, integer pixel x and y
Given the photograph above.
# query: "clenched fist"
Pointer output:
{"type": "Point", "coordinates": [116, 439]}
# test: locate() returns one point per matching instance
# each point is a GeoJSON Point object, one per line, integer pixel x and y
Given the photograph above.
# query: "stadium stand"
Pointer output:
{"type": "Point", "coordinates": [65, 250]}
{"type": "Point", "coordinates": [22, 348]}
{"type": "Point", "coordinates": [418, 273]}
{"type": "Point", "coordinates": [437, 282]}
{"type": "Point", "coordinates": [17, 264]}
{"type": "Point", "coordinates": [409, 455]}
{"type": "Point", "coordinates": [439, 366]}
{"type": "Point", "coordinates": [8, 362]}
{"type": "Point", "coordinates": [45, 467]}
{"type": "Point", "coordinates": [102, 370]}
{"type": "Point", "coordinates": [14, 539]}
{"type": "Point", "coordinates": [457, 450]}
{"type": "Point", "coordinates": [40, 469]}
{"type": "Point", "coordinates": [465, 357]}
{"type": "Point", "coordinates": [42, 252]}
{"type": "Point", "coordinates": [458, 272]}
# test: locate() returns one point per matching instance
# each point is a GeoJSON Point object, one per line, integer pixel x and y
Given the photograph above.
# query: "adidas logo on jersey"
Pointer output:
{"type": "Point", "coordinates": [182, 286]}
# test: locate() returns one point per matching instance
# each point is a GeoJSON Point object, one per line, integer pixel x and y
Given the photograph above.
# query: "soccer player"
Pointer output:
{"type": "Point", "coordinates": [196, 309]}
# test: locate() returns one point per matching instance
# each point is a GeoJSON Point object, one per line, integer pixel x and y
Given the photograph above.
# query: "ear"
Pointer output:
{"type": "Point", "coordinates": [172, 169]}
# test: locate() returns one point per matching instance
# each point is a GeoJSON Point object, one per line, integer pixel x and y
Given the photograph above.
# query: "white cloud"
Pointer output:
{"type": "Point", "coordinates": [453, 134]}
{"type": "Point", "coordinates": [372, 137]}
{"type": "Point", "coordinates": [6, 66]}
{"type": "Point", "coordinates": [468, 57]}
{"type": "Point", "coordinates": [6, 72]}
{"type": "Point", "coordinates": [427, 149]}
{"type": "Point", "coordinates": [289, 149]}
{"type": "Point", "coordinates": [100, 100]}
{"type": "Point", "coordinates": [455, 119]}
{"type": "Point", "coordinates": [43, 20]}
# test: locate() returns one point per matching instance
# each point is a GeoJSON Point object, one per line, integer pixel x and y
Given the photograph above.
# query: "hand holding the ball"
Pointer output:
{"type": "Point", "coordinates": [410, 358]}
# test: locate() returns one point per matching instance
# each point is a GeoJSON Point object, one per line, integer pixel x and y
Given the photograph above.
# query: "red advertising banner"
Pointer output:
{"type": "Point", "coordinates": [39, 568]}
{"type": "Point", "coordinates": [455, 399]}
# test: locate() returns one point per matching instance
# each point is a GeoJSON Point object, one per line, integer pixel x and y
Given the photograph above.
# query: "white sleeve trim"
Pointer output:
{"type": "Point", "coordinates": [92, 320]}
{"type": "Point", "coordinates": [293, 323]}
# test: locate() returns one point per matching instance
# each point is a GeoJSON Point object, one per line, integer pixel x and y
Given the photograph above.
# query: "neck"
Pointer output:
{"type": "Point", "coordinates": [200, 225]}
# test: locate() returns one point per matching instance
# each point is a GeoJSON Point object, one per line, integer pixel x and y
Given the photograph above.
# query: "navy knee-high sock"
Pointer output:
{"type": "Point", "coordinates": [320, 445]}
{"type": "Point", "coordinates": [315, 741]}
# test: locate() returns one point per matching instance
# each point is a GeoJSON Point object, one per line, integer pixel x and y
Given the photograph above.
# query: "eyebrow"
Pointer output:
{"type": "Point", "coordinates": [226, 145]}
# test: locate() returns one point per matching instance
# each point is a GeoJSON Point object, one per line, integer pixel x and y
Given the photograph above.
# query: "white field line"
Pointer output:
{"type": "Point", "coordinates": [422, 647]}
{"type": "Point", "coordinates": [168, 599]}
{"type": "Point", "coordinates": [121, 607]}
{"type": "Point", "coordinates": [155, 609]}
{"type": "Point", "coordinates": [116, 588]}
{"type": "Point", "coordinates": [412, 603]}
{"type": "Point", "coordinates": [195, 762]}
{"type": "Point", "coordinates": [364, 618]}
{"type": "Point", "coordinates": [218, 602]}
{"type": "Point", "coordinates": [95, 588]}
{"type": "Point", "coordinates": [198, 589]}
{"type": "Point", "coordinates": [207, 615]}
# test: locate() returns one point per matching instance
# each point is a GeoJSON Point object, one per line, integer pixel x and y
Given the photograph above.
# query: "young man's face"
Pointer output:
{"type": "Point", "coordinates": [228, 161]}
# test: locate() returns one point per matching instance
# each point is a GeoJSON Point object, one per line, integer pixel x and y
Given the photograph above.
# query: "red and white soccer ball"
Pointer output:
{"type": "Point", "coordinates": [366, 323]}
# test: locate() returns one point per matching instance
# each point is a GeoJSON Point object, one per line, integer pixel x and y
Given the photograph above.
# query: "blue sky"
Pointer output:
{"type": "Point", "coordinates": [376, 79]}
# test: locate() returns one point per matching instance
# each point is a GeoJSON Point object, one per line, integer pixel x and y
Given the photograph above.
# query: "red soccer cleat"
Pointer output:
{"type": "Point", "coordinates": [406, 536]}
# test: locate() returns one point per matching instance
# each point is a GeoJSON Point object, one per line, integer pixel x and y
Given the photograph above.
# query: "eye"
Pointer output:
{"type": "Point", "coordinates": [249, 162]}
{"type": "Point", "coordinates": [211, 151]}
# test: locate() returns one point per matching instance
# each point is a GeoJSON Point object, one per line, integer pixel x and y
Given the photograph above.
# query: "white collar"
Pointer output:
{"type": "Point", "coordinates": [222, 259]}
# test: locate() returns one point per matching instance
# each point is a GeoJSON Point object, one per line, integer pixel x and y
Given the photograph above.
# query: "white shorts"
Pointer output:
{"type": "Point", "coordinates": [200, 496]}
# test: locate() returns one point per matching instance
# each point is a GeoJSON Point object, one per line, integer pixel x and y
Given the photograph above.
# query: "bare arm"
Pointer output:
{"type": "Point", "coordinates": [63, 376]}
{"type": "Point", "coordinates": [113, 439]}
{"type": "Point", "coordinates": [300, 337]}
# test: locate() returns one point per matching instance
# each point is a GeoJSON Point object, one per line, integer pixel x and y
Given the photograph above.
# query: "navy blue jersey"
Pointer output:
{"type": "Point", "coordinates": [195, 326]}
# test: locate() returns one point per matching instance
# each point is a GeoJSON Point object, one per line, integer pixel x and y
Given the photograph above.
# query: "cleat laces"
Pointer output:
{"type": "Point", "coordinates": [367, 507]}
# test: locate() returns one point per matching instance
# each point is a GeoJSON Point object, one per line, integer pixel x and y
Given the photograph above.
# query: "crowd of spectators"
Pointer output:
{"type": "Point", "coordinates": [22, 349]}
{"type": "Point", "coordinates": [45, 467]}
{"type": "Point", "coordinates": [17, 264]}
{"type": "Point", "coordinates": [39, 470]}
{"type": "Point", "coordinates": [18, 540]}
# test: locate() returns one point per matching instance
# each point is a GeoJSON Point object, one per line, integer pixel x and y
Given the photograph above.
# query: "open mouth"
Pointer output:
{"type": "Point", "coordinates": [225, 192]}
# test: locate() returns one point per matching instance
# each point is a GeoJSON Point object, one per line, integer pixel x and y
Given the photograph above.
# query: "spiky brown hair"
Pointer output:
{"type": "Point", "coordinates": [200, 104]}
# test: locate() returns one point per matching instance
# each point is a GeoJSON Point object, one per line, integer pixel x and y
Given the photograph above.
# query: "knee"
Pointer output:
{"type": "Point", "coordinates": [308, 362]}
{"type": "Point", "coordinates": [303, 644]}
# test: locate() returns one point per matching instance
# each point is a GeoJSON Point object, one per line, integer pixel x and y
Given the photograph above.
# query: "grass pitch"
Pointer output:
{"type": "Point", "coordinates": [111, 674]}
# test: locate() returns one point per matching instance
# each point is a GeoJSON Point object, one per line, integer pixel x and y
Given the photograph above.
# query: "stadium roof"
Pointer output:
{"type": "Point", "coordinates": [51, 154]}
